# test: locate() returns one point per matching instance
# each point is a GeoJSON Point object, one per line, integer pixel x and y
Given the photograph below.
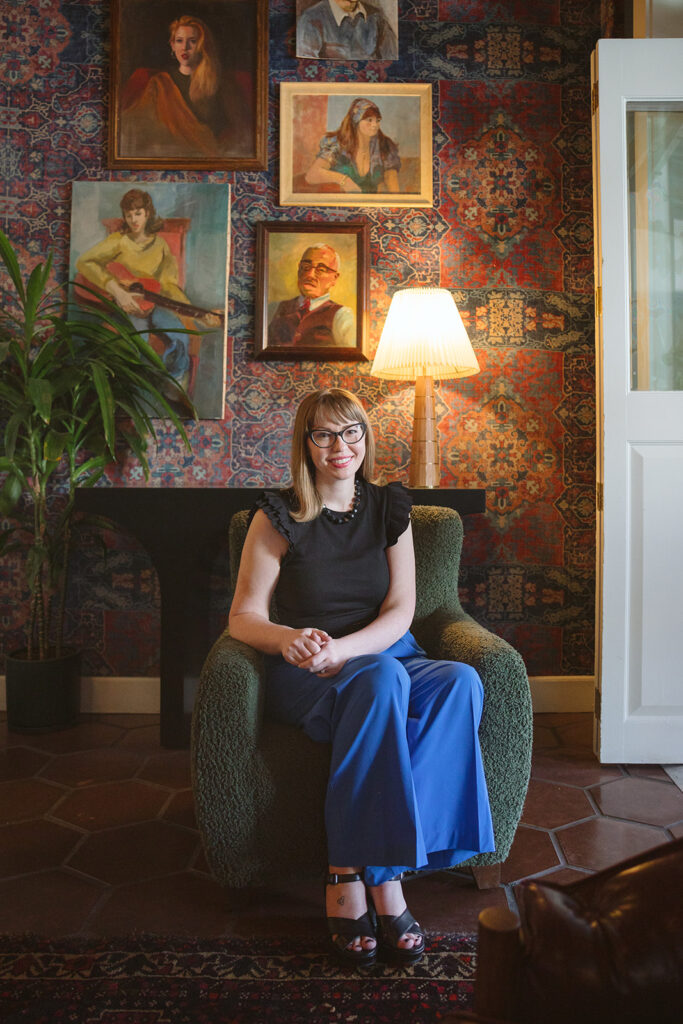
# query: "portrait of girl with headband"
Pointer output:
{"type": "Point", "coordinates": [358, 157]}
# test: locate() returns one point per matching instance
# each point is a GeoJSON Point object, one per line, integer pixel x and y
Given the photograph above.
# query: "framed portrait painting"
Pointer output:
{"type": "Point", "coordinates": [347, 29]}
{"type": "Point", "coordinates": [189, 84]}
{"type": "Point", "coordinates": [160, 251]}
{"type": "Point", "coordinates": [355, 144]}
{"type": "Point", "coordinates": [312, 291]}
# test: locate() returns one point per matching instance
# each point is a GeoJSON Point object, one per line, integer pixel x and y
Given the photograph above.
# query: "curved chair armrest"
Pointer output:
{"type": "Point", "coordinates": [238, 702]}
{"type": "Point", "coordinates": [506, 728]}
{"type": "Point", "coordinates": [228, 770]}
{"type": "Point", "coordinates": [500, 666]}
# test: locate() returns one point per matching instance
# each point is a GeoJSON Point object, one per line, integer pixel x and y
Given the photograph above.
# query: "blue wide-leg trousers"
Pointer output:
{"type": "Point", "coordinates": [406, 787]}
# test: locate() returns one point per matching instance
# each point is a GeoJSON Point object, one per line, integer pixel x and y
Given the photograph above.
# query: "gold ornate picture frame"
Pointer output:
{"type": "Point", "coordinates": [355, 144]}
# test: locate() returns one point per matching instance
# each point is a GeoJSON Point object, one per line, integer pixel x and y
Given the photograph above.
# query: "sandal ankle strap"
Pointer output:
{"type": "Point", "coordinates": [333, 879]}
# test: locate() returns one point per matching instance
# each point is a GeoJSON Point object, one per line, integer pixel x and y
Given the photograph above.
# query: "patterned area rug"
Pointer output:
{"type": "Point", "coordinates": [151, 980]}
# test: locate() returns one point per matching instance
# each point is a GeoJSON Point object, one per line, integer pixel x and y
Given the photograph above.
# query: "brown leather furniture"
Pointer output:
{"type": "Point", "coordinates": [607, 949]}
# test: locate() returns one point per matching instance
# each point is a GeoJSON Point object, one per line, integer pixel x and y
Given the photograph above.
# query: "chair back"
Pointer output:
{"type": "Point", "coordinates": [437, 533]}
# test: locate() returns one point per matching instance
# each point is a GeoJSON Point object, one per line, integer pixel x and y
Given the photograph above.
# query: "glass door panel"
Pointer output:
{"type": "Point", "coordinates": [655, 176]}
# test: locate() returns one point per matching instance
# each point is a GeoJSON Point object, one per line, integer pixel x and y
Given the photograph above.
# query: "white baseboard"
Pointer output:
{"type": "Point", "coordinates": [562, 693]}
{"type": "Point", "coordinates": [113, 695]}
{"type": "Point", "coordinates": [140, 694]}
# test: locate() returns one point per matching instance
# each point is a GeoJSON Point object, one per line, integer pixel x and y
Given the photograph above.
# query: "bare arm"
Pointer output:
{"type": "Point", "coordinates": [320, 173]}
{"type": "Point", "coordinates": [395, 615]}
{"type": "Point", "coordinates": [258, 574]}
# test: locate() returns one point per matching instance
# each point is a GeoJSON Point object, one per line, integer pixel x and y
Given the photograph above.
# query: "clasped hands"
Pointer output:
{"type": "Point", "coordinates": [313, 650]}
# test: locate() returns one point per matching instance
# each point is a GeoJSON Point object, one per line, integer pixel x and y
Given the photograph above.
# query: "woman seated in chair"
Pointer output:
{"type": "Point", "coordinates": [406, 789]}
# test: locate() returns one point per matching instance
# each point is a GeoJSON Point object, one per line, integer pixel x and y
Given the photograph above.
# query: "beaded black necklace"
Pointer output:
{"type": "Point", "coordinates": [344, 517]}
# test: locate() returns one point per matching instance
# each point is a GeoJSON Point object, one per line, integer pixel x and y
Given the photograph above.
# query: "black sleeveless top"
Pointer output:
{"type": "Point", "coordinates": [335, 575]}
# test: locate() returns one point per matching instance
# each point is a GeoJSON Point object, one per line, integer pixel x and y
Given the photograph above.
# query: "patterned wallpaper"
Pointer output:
{"type": "Point", "coordinates": [510, 233]}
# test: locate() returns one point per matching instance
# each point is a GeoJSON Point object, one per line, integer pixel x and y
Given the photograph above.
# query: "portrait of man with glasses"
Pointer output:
{"type": "Point", "coordinates": [312, 318]}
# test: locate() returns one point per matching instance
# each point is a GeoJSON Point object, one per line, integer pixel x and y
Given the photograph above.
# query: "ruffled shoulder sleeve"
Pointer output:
{"type": "Point", "coordinates": [399, 504]}
{"type": "Point", "coordinates": [276, 505]}
{"type": "Point", "coordinates": [329, 149]}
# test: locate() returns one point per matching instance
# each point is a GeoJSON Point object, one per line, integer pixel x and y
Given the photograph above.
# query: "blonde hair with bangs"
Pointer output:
{"type": "Point", "coordinates": [340, 406]}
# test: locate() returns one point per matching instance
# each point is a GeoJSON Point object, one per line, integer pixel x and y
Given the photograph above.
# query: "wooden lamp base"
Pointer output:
{"type": "Point", "coordinates": [424, 457]}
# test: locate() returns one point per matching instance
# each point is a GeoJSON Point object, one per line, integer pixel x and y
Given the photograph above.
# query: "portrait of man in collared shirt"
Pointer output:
{"type": "Point", "coordinates": [347, 29]}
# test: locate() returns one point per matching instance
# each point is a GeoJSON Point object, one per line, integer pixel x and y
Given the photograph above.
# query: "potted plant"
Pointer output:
{"type": "Point", "coordinates": [76, 385]}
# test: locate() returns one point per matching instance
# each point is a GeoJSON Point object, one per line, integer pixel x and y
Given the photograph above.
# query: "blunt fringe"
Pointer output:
{"type": "Point", "coordinates": [339, 406]}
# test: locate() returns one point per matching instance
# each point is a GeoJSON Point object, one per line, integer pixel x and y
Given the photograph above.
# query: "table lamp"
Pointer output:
{"type": "Point", "coordinates": [423, 338]}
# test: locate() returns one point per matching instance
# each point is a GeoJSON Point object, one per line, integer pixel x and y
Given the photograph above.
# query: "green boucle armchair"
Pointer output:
{"type": "Point", "coordinates": [260, 785]}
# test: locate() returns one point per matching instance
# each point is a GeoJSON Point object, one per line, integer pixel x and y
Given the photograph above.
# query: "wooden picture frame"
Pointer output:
{"type": "Point", "coordinates": [178, 278]}
{"type": "Point", "coordinates": [154, 120]}
{"type": "Point", "coordinates": [319, 125]}
{"type": "Point", "coordinates": [334, 280]}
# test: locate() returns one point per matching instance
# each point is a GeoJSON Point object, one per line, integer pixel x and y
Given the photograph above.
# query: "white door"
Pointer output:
{"type": "Point", "coordinates": [638, 161]}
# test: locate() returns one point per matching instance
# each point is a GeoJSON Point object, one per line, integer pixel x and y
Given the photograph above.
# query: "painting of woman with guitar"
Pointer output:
{"type": "Point", "coordinates": [135, 267]}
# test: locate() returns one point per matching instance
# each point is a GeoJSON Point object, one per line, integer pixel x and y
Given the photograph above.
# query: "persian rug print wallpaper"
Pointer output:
{"type": "Point", "coordinates": [509, 233]}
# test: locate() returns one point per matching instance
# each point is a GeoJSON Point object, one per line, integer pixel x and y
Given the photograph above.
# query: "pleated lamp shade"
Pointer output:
{"type": "Point", "coordinates": [423, 338]}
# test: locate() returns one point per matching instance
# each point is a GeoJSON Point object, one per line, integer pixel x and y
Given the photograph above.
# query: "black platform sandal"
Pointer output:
{"type": "Point", "coordinates": [344, 929]}
{"type": "Point", "coordinates": [390, 930]}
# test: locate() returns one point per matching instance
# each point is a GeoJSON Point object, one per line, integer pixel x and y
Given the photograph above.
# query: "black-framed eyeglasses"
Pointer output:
{"type": "Point", "coordinates": [305, 266]}
{"type": "Point", "coordinates": [352, 434]}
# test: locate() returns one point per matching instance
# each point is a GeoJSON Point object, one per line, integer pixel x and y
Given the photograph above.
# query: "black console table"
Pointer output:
{"type": "Point", "coordinates": [182, 529]}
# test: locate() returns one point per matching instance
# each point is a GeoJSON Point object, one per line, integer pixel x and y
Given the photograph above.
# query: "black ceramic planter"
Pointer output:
{"type": "Point", "coordinates": [42, 695]}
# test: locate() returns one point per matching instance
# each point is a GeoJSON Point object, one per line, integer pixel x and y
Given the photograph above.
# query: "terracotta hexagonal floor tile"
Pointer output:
{"type": "Point", "coordinates": [601, 842]}
{"type": "Point", "coordinates": [171, 768]}
{"type": "Point", "coordinates": [34, 846]}
{"type": "Point", "coordinates": [437, 900]}
{"type": "Point", "coordinates": [575, 766]}
{"type": "Point", "coordinates": [677, 831]}
{"type": "Point", "coordinates": [647, 771]}
{"type": "Point", "coordinates": [578, 733]}
{"type": "Point", "coordinates": [200, 862]}
{"type": "Point", "coordinates": [532, 851]}
{"type": "Point", "coordinates": [184, 904]}
{"type": "Point", "coordinates": [26, 798]}
{"type": "Point", "coordinates": [181, 809]}
{"type": "Point", "coordinates": [117, 803]}
{"type": "Point", "coordinates": [49, 903]}
{"type": "Point", "coordinates": [7, 738]}
{"type": "Point", "coordinates": [126, 719]}
{"type": "Point", "coordinates": [544, 738]}
{"type": "Point", "coordinates": [646, 800]}
{"type": "Point", "coordinates": [21, 763]}
{"type": "Point", "coordinates": [147, 850]}
{"type": "Point", "coordinates": [85, 767]}
{"type": "Point", "coordinates": [83, 736]}
{"type": "Point", "coordinates": [144, 737]}
{"type": "Point", "coordinates": [549, 805]}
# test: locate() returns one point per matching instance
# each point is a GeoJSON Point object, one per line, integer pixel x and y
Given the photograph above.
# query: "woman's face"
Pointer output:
{"type": "Point", "coordinates": [341, 461]}
{"type": "Point", "coordinates": [369, 126]}
{"type": "Point", "coordinates": [136, 219]}
{"type": "Point", "coordinates": [185, 47]}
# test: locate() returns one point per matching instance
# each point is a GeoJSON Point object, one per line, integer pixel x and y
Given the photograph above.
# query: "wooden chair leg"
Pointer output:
{"type": "Point", "coordinates": [487, 876]}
